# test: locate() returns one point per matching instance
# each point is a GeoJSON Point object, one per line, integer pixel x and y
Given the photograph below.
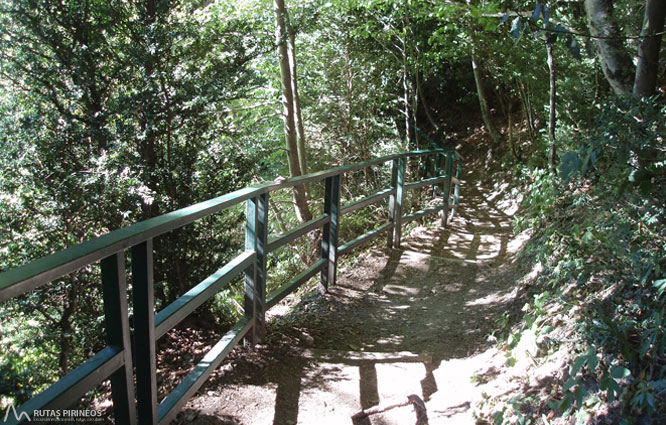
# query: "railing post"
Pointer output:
{"type": "Point", "coordinates": [114, 287]}
{"type": "Point", "coordinates": [436, 172]}
{"type": "Point", "coordinates": [456, 193]}
{"type": "Point", "coordinates": [144, 332]}
{"type": "Point", "coordinates": [446, 193]}
{"type": "Point", "coordinates": [329, 241]}
{"type": "Point", "coordinates": [395, 202]}
{"type": "Point", "coordinates": [426, 166]}
{"type": "Point", "coordinates": [256, 236]}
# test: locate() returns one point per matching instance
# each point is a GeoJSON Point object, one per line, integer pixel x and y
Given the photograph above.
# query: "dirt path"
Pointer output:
{"type": "Point", "coordinates": [413, 321]}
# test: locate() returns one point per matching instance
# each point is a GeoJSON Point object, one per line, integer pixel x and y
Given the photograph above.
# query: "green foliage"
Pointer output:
{"type": "Point", "coordinates": [25, 361]}
{"type": "Point", "coordinates": [600, 227]}
{"type": "Point", "coordinates": [112, 113]}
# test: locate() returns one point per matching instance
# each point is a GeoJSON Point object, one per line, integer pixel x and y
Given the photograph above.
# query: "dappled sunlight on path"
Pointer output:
{"type": "Point", "coordinates": [406, 322]}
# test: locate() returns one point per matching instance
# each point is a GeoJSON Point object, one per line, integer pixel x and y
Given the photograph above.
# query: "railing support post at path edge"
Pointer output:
{"type": "Point", "coordinates": [256, 237]}
{"type": "Point", "coordinates": [436, 172]}
{"type": "Point", "coordinates": [329, 240]}
{"type": "Point", "coordinates": [456, 191]}
{"type": "Point", "coordinates": [395, 202]}
{"type": "Point", "coordinates": [116, 322]}
{"type": "Point", "coordinates": [446, 193]}
{"type": "Point", "coordinates": [144, 332]}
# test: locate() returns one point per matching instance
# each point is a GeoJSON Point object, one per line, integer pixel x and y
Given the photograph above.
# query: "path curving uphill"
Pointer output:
{"type": "Point", "coordinates": [401, 339]}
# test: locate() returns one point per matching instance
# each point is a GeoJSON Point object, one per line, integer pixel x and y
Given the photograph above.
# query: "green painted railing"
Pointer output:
{"type": "Point", "coordinates": [115, 361]}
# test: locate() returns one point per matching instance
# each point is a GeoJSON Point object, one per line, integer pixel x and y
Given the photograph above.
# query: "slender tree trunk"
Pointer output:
{"type": "Point", "coordinates": [409, 133]}
{"type": "Point", "coordinates": [302, 210]}
{"type": "Point", "coordinates": [351, 139]}
{"type": "Point", "coordinates": [551, 121]}
{"type": "Point", "coordinates": [415, 109]}
{"type": "Point", "coordinates": [527, 109]}
{"type": "Point", "coordinates": [65, 348]}
{"type": "Point", "coordinates": [512, 143]}
{"type": "Point", "coordinates": [481, 92]}
{"type": "Point", "coordinates": [408, 96]}
{"type": "Point", "coordinates": [300, 130]}
{"type": "Point", "coordinates": [615, 62]}
{"type": "Point", "coordinates": [500, 99]}
{"type": "Point", "coordinates": [647, 66]}
{"type": "Point", "coordinates": [148, 114]}
{"type": "Point", "coordinates": [483, 103]}
{"type": "Point", "coordinates": [426, 108]}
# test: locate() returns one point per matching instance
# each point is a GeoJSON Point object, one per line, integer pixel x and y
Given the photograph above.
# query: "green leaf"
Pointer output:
{"type": "Point", "coordinates": [588, 237]}
{"type": "Point", "coordinates": [620, 372]}
{"type": "Point", "coordinates": [498, 417]}
{"type": "Point", "coordinates": [578, 364]}
{"type": "Point", "coordinates": [660, 285]}
{"type": "Point", "coordinates": [569, 165]}
{"type": "Point", "coordinates": [565, 404]}
{"type": "Point", "coordinates": [613, 390]}
{"type": "Point", "coordinates": [592, 361]}
{"type": "Point", "coordinates": [580, 393]}
{"type": "Point", "coordinates": [588, 159]}
{"type": "Point", "coordinates": [546, 330]}
{"type": "Point", "coordinates": [569, 384]}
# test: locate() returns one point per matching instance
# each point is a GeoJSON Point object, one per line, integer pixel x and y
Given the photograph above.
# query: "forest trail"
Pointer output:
{"type": "Point", "coordinates": [413, 321]}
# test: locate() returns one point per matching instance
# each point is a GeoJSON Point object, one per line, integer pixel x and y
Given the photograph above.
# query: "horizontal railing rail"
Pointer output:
{"type": "Point", "coordinates": [297, 232]}
{"type": "Point", "coordinates": [131, 367]}
{"type": "Point", "coordinates": [368, 200]}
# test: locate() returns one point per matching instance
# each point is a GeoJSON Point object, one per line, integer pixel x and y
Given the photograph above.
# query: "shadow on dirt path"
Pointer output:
{"type": "Point", "coordinates": [410, 321]}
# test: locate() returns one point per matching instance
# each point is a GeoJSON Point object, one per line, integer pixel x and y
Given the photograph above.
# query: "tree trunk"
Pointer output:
{"type": "Point", "coordinates": [647, 66]}
{"type": "Point", "coordinates": [148, 115]}
{"type": "Point", "coordinates": [483, 103]}
{"type": "Point", "coordinates": [415, 108]}
{"type": "Point", "coordinates": [302, 210]}
{"type": "Point", "coordinates": [527, 108]}
{"type": "Point", "coordinates": [512, 143]}
{"type": "Point", "coordinates": [406, 95]}
{"type": "Point", "coordinates": [426, 108]}
{"type": "Point", "coordinates": [300, 130]}
{"type": "Point", "coordinates": [615, 62]}
{"type": "Point", "coordinates": [551, 121]}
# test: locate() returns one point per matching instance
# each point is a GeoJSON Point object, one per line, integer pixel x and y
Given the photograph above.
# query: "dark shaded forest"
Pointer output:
{"type": "Point", "coordinates": [113, 112]}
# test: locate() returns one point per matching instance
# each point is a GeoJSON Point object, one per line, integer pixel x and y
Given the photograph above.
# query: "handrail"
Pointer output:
{"type": "Point", "coordinates": [298, 231]}
{"type": "Point", "coordinates": [24, 278]}
{"type": "Point", "coordinates": [30, 276]}
{"type": "Point", "coordinates": [115, 361]}
{"type": "Point", "coordinates": [167, 318]}
{"type": "Point", "coordinates": [363, 202]}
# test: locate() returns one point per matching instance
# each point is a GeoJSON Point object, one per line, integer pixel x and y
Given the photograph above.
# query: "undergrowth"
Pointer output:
{"type": "Point", "coordinates": [599, 237]}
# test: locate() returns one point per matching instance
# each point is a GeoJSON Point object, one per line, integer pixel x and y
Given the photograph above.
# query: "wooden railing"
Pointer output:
{"type": "Point", "coordinates": [115, 362]}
